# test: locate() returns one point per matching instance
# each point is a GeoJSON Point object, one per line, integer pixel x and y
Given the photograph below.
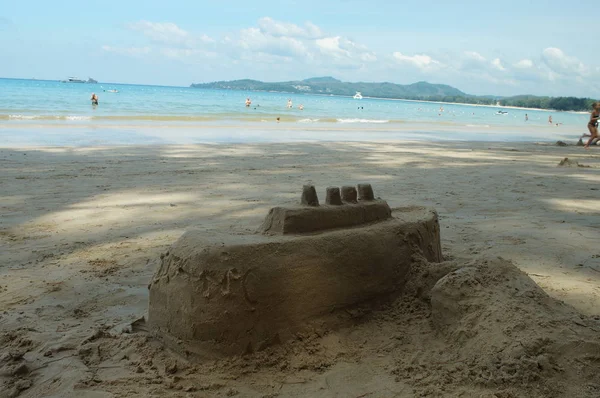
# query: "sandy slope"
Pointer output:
{"type": "Point", "coordinates": [81, 229]}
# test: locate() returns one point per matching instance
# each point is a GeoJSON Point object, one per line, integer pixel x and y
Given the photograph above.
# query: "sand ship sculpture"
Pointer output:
{"type": "Point", "coordinates": [220, 294]}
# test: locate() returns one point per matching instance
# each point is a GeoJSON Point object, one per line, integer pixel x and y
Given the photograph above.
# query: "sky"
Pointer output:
{"type": "Point", "coordinates": [480, 47]}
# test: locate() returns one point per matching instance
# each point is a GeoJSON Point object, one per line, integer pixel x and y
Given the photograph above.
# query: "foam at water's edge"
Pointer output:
{"type": "Point", "coordinates": [45, 117]}
{"type": "Point", "coordinates": [362, 121]}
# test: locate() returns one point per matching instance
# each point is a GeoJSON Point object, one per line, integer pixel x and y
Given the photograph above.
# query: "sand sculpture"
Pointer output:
{"type": "Point", "coordinates": [220, 294]}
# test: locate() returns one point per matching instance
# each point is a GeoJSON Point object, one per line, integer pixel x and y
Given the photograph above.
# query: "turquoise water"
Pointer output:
{"type": "Point", "coordinates": [26, 106]}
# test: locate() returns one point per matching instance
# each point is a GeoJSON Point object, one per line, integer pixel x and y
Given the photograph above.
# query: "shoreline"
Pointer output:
{"type": "Point", "coordinates": [156, 134]}
{"type": "Point", "coordinates": [480, 105]}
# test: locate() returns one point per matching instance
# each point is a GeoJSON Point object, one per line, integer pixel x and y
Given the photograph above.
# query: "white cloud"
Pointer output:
{"type": "Point", "coordinates": [253, 39]}
{"type": "Point", "coordinates": [206, 39]}
{"type": "Point", "coordinates": [129, 51]}
{"type": "Point", "coordinates": [553, 65]}
{"type": "Point", "coordinates": [561, 64]}
{"type": "Point", "coordinates": [304, 45]}
{"type": "Point", "coordinates": [497, 64]}
{"type": "Point", "coordinates": [474, 56]}
{"type": "Point", "coordinates": [309, 49]}
{"type": "Point", "coordinates": [421, 61]}
{"type": "Point", "coordinates": [331, 46]}
{"type": "Point", "coordinates": [368, 57]}
{"type": "Point", "coordinates": [164, 32]}
{"type": "Point", "coordinates": [342, 52]}
{"type": "Point", "coordinates": [168, 33]}
{"type": "Point", "coordinates": [473, 61]}
{"type": "Point", "coordinates": [524, 64]}
{"type": "Point", "coordinates": [269, 41]}
{"type": "Point", "coordinates": [282, 29]}
{"type": "Point", "coordinates": [184, 53]}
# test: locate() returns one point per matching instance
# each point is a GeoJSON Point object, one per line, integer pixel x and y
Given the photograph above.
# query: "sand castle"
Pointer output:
{"type": "Point", "coordinates": [220, 294]}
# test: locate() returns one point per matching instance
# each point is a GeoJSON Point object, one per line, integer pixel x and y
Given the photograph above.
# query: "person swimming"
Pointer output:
{"type": "Point", "coordinates": [301, 107]}
{"type": "Point", "coordinates": [94, 99]}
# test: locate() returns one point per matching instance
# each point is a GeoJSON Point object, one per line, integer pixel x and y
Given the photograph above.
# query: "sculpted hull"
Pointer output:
{"type": "Point", "coordinates": [232, 294]}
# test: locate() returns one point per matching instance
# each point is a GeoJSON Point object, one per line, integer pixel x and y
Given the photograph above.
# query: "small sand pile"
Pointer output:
{"type": "Point", "coordinates": [566, 162]}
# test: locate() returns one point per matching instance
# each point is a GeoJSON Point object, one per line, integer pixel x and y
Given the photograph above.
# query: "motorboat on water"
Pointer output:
{"type": "Point", "coordinates": [73, 80]}
{"type": "Point", "coordinates": [501, 113]}
{"type": "Point", "coordinates": [358, 95]}
{"type": "Point", "coordinates": [78, 80]}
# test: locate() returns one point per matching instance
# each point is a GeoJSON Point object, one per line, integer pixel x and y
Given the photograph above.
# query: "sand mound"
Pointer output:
{"type": "Point", "coordinates": [502, 333]}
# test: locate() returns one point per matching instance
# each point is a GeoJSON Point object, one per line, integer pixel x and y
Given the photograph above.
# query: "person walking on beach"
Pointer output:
{"type": "Point", "coordinates": [94, 99]}
{"type": "Point", "coordinates": [593, 124]}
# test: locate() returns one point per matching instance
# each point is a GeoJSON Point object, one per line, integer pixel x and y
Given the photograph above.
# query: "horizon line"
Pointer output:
{"type": "Point", "coordinates": [316, 77]}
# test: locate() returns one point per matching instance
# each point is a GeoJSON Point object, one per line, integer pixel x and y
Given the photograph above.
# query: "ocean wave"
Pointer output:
{"type": "Point", "coordinates": [478, 125]}
{"type": "Point", "coordinates": [44, 117]}
{"type": "Point", "coordinates": [78, 117]}
{"type": "Point", "coordinates": [308, 120]}
{"type": "Point", "coordinates": [362, 121]}
{"type": "Point", "coordinates": [22, 117]}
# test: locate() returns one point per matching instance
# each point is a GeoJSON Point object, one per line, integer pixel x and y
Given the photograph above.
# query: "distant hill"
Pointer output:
{"type": "Point", "coordinates": [329, 85]}
{"type": "Point", "coordinates": [417, 91]}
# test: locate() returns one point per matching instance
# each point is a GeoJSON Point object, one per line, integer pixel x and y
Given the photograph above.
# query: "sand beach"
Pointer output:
{"type": "Point", "coordinates": [82, 230]}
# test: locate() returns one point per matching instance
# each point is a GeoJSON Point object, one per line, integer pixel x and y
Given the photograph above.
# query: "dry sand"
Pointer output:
{"type": "Point", "coordinates": [81, 230]}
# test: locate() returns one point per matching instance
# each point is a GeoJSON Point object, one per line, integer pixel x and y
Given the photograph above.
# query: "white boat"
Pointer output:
{"type": "Point", "coordinates": [78, 80]}
{"type": "Point", "coordinates": [501, 113]}
{"type": "Point", "coordinates": [73, 80]}
{"type": "Point", "coordinates": [358, 95]}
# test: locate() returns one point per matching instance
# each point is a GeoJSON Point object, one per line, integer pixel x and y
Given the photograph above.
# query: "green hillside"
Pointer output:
{"type": "Point", "coordinates": [329, 85]}
{"type": "Point", "coordinates": [417, 91]}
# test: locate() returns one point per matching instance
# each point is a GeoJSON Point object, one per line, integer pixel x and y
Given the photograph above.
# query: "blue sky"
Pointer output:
{"type": "Point", "coordinates": [502, 48]}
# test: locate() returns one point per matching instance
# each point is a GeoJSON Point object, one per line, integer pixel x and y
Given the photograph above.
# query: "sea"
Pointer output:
{"type": "Point", "coordinates": [45, 112]}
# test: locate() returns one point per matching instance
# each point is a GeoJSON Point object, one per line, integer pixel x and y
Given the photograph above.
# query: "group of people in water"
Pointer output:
{"type": "Point", "coordinates": [592, 124]}
{"type": "Point", "coordinates": [289, 106]}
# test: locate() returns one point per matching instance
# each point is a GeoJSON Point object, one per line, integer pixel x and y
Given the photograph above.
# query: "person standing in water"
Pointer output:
{"type": "Point", "coordinates": [526, 117]}
{"type": "Point", "coordinates": [550, 119]}
{"type": "Point", "coordinates": [248, 102]}
{"type": "Point", "coordinates": [94, 99]}
{"type": "Point", "coordinates": [593, 124]}
{"type": "Point", "coordinates": [289, 105]}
